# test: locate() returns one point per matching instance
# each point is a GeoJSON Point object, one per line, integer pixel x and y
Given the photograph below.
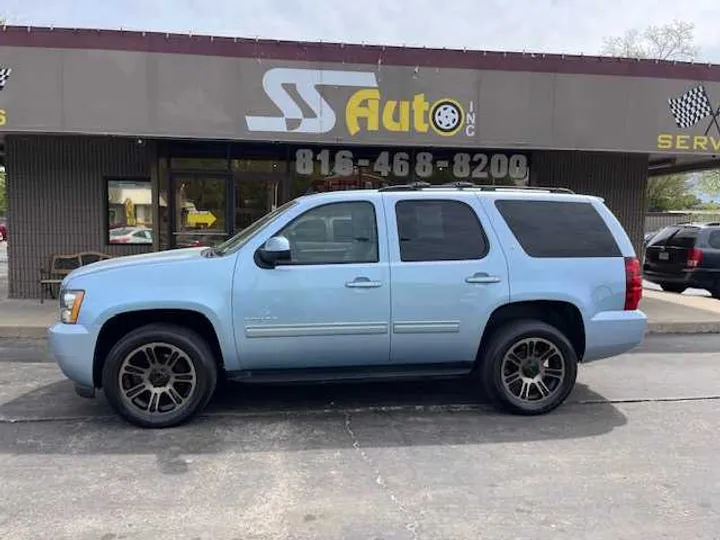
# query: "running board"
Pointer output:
{"type": "Point", "coordinates": [353, 374]}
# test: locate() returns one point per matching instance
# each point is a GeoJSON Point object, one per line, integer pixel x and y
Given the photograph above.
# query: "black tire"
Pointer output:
{"type": "Point", "coordinates": [673, 287]}
{"type": "Point", "coordinates": [196, 352]}
{"type": "Point", "coordinates": [504, 340]}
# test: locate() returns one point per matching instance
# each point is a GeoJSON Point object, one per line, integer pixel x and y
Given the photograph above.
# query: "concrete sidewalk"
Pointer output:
{"type": "Point", "coordinates": [668, 313]}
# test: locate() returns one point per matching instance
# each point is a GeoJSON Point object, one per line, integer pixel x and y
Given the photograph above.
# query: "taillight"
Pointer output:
{"type": "Point", "coordinates": [694, 258]}
{"type": "Point", "coordinates": [633, 283]}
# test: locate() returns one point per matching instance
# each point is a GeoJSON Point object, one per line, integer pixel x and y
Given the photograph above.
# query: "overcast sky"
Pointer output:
{"type": "Point", "coordinates": [570, 26]}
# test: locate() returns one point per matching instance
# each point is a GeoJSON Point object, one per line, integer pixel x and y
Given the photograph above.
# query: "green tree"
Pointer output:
{"type": "Point", "coordinates": [672, 41]}
{"type": "Point", "coordinates": [3, 197]}
{"type": "Point", "coordinates": [671, 192]}
{"type": "Point", "coordinates": [708, 183]}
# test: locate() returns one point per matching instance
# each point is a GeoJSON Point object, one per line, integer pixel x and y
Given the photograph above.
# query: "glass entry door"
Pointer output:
{"type": "Point", "coordinates": [253, 199]}
{"type": "Point", "coordinates": [200, 210]}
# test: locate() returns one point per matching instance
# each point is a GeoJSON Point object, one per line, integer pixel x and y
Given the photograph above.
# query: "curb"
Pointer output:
{"type": "Point", "coordinates": [654, 328]}
{"type": "Point", "coordinates": [23, 332]}
{"type": "Point", "coordinates": [700, 327]}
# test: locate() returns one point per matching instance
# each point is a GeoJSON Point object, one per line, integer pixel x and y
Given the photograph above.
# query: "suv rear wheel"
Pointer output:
{"type": "Point", "coordinates": [529, 367]}
{"type": "Point", "coordinates": [159, 375]}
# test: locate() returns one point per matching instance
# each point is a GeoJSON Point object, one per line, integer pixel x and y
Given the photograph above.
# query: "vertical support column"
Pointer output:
{"type": "Point", "coordinates": [155, 186]}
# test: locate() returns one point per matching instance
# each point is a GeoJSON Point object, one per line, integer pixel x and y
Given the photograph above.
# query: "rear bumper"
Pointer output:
{"type": "Point", "coordinates": [613, 332]}
{"type": "Point", "coordinates": [695, 279]}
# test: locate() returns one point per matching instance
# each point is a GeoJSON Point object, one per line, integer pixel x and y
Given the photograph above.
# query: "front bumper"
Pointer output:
{"type": "Point", "coordinates": [73, 348]}
{"type": "Point", "coordinates": [611, 333]}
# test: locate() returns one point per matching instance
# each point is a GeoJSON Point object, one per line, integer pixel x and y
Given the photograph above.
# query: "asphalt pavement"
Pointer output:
{"type": "Point", "coordinates": [632, 455]}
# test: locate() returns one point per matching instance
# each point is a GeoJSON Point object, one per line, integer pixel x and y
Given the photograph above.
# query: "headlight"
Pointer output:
{"type": "Point", "coordinates": [70, 303]}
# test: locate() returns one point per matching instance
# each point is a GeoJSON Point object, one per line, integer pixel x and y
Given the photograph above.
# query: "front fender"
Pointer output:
{"type": "Point", "coordinates": [201, 287]}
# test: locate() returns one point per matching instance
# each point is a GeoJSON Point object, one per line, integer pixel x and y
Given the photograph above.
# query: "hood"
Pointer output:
{"type": "Point", "coordinates": [144, 259]}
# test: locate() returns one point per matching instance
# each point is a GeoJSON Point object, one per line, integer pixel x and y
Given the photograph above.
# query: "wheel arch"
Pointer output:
{"type": "Point", "coordinates": [564, 316]}
{"type": "Point", "coordinates": [123, 323]}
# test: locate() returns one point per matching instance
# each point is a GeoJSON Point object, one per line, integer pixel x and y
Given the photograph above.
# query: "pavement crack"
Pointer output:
{"type": "Point", "coordinates": [412, 524]}
{"type": "Point", "coordinates": [449, 407]}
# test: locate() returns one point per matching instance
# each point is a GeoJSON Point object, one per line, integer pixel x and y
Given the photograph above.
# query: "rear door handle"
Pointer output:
{"type": "Point", "coordinates": [363, 283]}
{"type": "Point", "coordinates": [481, 277]}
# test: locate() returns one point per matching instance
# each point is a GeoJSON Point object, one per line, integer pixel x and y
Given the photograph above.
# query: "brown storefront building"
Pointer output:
{"type": "Point", "coordinates": [128, 142]}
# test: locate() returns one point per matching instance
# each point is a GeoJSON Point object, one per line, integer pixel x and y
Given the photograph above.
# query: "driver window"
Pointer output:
{"type": "Point", "coordinates": [335, 233]}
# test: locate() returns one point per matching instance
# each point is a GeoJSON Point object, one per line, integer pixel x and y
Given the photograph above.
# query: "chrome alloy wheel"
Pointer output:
{"type": "Point", "coordinates": [157, 378]}
{"type": "Point", "coordinates": [533, 371]}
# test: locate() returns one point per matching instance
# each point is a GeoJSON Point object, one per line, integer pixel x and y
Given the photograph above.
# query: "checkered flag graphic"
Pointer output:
{"type": "Point", "coordinates": [4, 74]}
{"type": "Point", "coordinates": [691, 107]}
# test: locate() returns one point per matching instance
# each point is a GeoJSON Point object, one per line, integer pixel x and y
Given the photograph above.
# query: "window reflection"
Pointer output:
{"type": "Point", "coordinates": [129, 212]}
{"type": "Point", "coordinates": [200, 203]}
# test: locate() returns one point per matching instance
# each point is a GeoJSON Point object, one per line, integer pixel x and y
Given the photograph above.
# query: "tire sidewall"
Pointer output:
{"type": "Point", "coordinates": [503, 340]}
{"type": "Point", "coordinates": [196, 350]}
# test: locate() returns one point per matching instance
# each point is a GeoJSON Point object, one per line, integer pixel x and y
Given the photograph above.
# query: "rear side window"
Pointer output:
{"type": "Point", "coordinates": [558, 229]}
{"type": "Point", "coordinates": [439, 231]}
{"type": "Point", "coordinates": [714, 240]}
{"type": "Point", "coordinates": [684, 238]}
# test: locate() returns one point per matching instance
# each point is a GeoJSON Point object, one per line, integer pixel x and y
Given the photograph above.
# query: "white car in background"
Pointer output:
{"type": "Point", "coordinates": [131, 235]}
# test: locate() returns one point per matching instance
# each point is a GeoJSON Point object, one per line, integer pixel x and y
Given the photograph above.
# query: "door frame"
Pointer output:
{"type": "Point", "coordinates": [230, 178]}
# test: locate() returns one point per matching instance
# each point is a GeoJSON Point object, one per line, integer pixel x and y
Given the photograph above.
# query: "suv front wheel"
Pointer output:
{"type": "Point", "coordinates": [159, 375]}
{"type": "Point", "coordinates": [529, 367]}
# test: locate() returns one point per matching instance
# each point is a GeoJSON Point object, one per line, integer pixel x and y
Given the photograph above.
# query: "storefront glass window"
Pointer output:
{"type": "Point", "coordinates": [316, 169]}
{"type": "Point", "coordinates": [130, 211]}
{"type": "Point", "coordinates": [482, 167]}
{"type": "Point", "coordinates": [199, 164]}
{"type": "Point", "coordinates": [200, 210]}
{"type": "Point", "coordinates": [258, 177]}
{"type": "Point", "coordinates": [319, 169]}
{"type": "Point", "coordinates": [259, 165]}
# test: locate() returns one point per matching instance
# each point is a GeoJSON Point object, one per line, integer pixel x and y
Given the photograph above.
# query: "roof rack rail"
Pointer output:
{"type": "Point", "coordinates": [460, 185]}
{"type": "Point", "coordinates": [416, 186]}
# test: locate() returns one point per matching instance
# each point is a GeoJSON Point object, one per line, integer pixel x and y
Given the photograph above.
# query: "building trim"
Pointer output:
{"type": "Point", "coordinates": [265, 49]}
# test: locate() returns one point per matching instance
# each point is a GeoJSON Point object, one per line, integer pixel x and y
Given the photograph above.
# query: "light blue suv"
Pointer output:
{"type": "Point", "coordinates": [512, 286]}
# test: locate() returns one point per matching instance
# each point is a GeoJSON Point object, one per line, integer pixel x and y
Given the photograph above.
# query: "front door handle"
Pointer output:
{"type": "Point", "coordinates": [363, 283]}
{"type": "Point", "coordinates": [482, 277]}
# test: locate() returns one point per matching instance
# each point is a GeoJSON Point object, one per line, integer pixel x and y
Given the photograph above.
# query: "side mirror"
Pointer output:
{"type": "Point", "coordinates": [275, 251]}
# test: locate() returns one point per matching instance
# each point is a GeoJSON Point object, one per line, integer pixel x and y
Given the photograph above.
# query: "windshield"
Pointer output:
{"type": "Point", "coordinates": [237, 241]}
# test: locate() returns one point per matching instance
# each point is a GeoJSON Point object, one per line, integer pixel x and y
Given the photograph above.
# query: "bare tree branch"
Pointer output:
{"type": "Point", "coordinates": [672, 41]}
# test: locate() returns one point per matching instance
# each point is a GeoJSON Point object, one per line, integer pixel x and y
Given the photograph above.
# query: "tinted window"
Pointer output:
{"type": "Point", "coordinates": [439, 231]}
{"type": "Point", "coordinates": [559, 229]}
{"type": "Point", "coordinates": [684, 238]}
{"type": "Point", "coordinates": [714, 240]}
{"type": "Point", "coordinates": [337, 233]}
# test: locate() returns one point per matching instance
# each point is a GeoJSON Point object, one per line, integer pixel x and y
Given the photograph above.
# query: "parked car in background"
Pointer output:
{"type": "Point", "coordinates": [188, 239]}
{"type": "Point", "coordinates": [513, 287]}
{"type": "Point", "coordinates": [3, 232]}
{"type": "Point", "coordinates": [685, 256]}
{"type": "Point", "coordinates": [131, 235]}
{"type": "Point", "coordinates": [649, 236]}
